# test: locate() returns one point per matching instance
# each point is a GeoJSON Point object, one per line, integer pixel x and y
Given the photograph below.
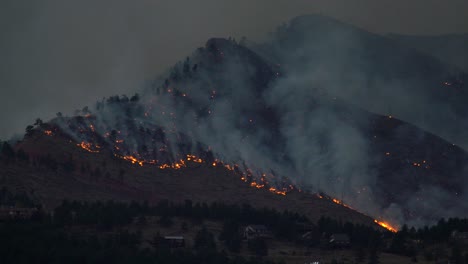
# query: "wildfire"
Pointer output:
{"type": "Point", "coordinates": [93, 148]}
{"type": "Point", "coordinates": [164, 166]}
{"type": "Point", "coordinates": [133, 160]}
{"type": "Point", "coordinates": [89, 147]}
{"type": "Point", "coordinates": [383, 224]}
{"type": "Point", "coordinates": [48, 132]}
{"type": "Point", "coordinates": [257, 185]}
{"type": "Point", "coordinates": [275, 191]}
{"type": "Point", "coordinates": [175, 165]}
{"type": "Point", "coordinates": [342, 204]}
{"type": "Point", "coordinates": [194, 158]}
{"type": "Point", "coordinates": [386, 226]}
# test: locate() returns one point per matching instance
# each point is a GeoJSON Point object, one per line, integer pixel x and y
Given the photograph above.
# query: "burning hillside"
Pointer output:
{"type": "Point", "coordinates": [225, 107]}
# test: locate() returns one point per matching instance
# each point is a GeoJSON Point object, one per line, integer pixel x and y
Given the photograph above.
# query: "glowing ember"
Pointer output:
{"type": "Point", "coordinates": [256, 185]}
{"type": "Point", "coordinates": [192, 158]}
{"type": "Point", "coordinates": [386, 226]}
{"type": "Point", "coordinates": [275, 191]}
{"type": "Point", "coordinates": [133, 160]}
{"type": "Point", "coordinates": [342, 204]}
{"type": "Point", "coordinates": [89, 147]}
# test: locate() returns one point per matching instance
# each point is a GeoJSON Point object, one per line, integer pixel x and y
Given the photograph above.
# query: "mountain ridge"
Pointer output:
{"type": "Point", "coordinates": [226, 103]}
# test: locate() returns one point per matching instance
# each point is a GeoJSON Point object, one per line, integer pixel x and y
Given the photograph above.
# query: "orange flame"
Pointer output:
{"type": "Point", "coordinates": [341, 203]}
{"type": "Point", "coordinates": [89, 147]}
{"type": "Point", "coordinates": [386, 226]}
{"type": "Point", "coordinates": [133, 160]}
{"type": "Point", "coordinates": [383, 224]}
{"type": "Point", "coordinates": [182, 163]}
{"type": "Point", "coordinates": [275, 191]}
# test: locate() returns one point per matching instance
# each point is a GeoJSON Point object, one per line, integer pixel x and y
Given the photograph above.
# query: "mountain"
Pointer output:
{"type": "Point", "coordinates": [254, 122]}
{"type": "Point", "coordinates": [50, 167]}
{"type": "Point", "coordinates": [450, 49]}
{"type": "Point", "coordinates": [375, 72]}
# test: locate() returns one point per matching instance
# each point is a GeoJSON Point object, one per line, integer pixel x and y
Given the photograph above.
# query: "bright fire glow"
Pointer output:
{"type": "Point", "coordinates": [133, 160]}
{"type": "Point", "coordinates": [93, 148]}
{"type": "Point", "coordinates": [89, 147]}
{"type": "Point", "coordinates": [383, 224]}
{"type": "Point", "coordinates": [386, 226]}
{"type": "Point", "coordinates": [341, 203]}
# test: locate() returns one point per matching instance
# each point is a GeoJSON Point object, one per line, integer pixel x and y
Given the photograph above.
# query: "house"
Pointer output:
{"type": "Point", "coordinates": [174, 241]}
{"type": "Point", "coordinates": [311, 238]}
{"type": "Point", "coordinates": [16, 213]}
{"type": "Point", "coordinates": [460, 237]}
{"type": "Point", "coordinates": [339, 240]}
{"type": "Point", "coordinates": [257, 231]}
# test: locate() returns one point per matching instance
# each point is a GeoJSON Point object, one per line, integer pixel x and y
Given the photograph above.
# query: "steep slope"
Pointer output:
{"type": "Point", "coordinates": [58, 169]}
{"type": "Point", "coordinates": [374, 72]}
{"type": "Point", "coordinates": [229, 107]}
{"type": "Point", "coordinates": [450, 49]}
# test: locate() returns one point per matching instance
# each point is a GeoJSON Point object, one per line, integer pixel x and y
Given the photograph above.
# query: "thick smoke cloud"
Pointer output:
{"type": "Point", "coordinates": [321, 148]}
{"type": "Point", "coordinates": [61, 55]}
{"type": "Point", "coordinates": [64, 55]}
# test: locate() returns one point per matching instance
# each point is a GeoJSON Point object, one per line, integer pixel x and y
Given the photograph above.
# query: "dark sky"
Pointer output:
{"type": "Point", "coordinates": [62, 55]}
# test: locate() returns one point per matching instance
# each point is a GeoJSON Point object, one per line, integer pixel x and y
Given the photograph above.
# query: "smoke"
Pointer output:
{"type": "Point", "coordinates": [319, 147]}
{"type": "Point", "coordinates": [373, 72]}
{"type": "Point", "coordinates": [60, 55]}
{"type": "Point", "coordinates": [287, 128]}
{"type": "Point", "coordinates": [227, 100]}
{"type": "Point", "coordinates": [325, 57]}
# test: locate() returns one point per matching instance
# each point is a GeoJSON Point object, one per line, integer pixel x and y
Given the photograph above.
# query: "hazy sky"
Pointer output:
{"type": "Point", "coordinates": [62, 55]}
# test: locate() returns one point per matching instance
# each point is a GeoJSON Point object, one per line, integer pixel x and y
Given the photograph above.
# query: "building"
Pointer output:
{"type": "Point", "coordinates": [174, 241]}
{"type": "Point", "coordinates": [16, 213]}
{"type": "Point", "coordinates": [311, 238]}
{"type": "Point", "coordinates": [339, 240]}
{"type": "Point", "coordinates": [257, 231]}
{"type": "Point", "coordinates": [460, 238]}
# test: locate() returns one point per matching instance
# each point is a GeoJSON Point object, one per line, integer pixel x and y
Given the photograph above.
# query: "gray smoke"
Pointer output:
{"type": "Point", "coordinates": [60, 55]}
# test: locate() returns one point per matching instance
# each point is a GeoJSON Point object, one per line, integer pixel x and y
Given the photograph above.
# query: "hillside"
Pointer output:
{"type": "Point", "coordinates": [58, 169]}
{"type": "Point", "coordinates": [229, 107]}
{"type": "Point", "coordinates": [378, 73]}
{"type": "Point", "coordinates": [450, 49]}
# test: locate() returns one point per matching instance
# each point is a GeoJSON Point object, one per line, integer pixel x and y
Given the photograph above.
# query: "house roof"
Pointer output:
{"type": "Point", "coordinates": [174, 237]}
{"type": "Point", "coordinates": [258, 227]}
{"type": "Point", "coordinates": [339, 237]}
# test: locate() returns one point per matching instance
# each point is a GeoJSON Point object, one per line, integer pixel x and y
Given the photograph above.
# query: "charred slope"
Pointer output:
{"type": "Point", "coordinates": [404, 164]}
{"type": "Point", "coordinates": [56, 169]}
{"type": "Point", "coordinates": [373, 71]}
{"type": "Point", "coordinates": [225, 103]}
{"type": "Point", "coordinates": [450, 49]}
